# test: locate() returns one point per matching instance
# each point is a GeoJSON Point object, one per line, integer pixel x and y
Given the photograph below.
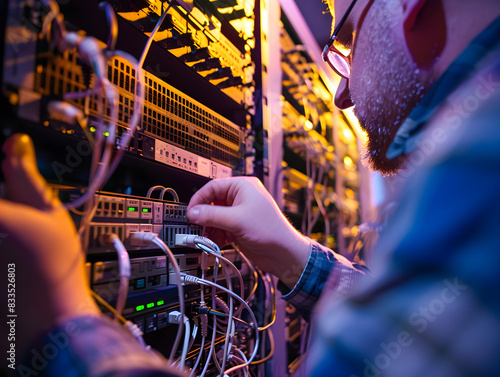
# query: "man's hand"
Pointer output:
{"type": "Point", "coordinates": [244, 212]}
{"type": "Point", "coordinates": [39, 237]}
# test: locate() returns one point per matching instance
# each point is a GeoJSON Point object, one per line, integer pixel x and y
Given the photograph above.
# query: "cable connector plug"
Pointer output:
{"type": "Point", "coordinates": [123, 257]}
{"type": "Point", "coordinates": [185, 240]}
{"type": "Point", "coordinates": [141, 238]}
{"type": "Point", "coordinates": [189, 279]}
{"type": "Point", "coordinates": [174, 317]}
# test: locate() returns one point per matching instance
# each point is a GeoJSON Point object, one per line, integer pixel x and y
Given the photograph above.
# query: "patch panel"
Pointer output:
{"type": "Point", "coordinates": [146, 273]}
{"type": "Point", "coordinates": [99, 229]}
{"type": "Point", "coordinates": [157, 211]}
{"type": "Point", "coordinates": [188, 261]}
{"type": "Point", "coordinates": [123, 215]}
{"type": "Point", "coordinates": [110, 207]}
{"type": "Point", "coordinates": [174, 212]}
{"type": "Point", "coordinates": [123, 232]}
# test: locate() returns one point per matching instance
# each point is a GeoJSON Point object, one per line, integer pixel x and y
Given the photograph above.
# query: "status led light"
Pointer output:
{"type": "Point", "coordinates": [161, 302]}
{"type": "Point", "coordinates": [145, 210]}
{"type": "Point", "coordinates": [131, 209]}
{"type": "Point", "coordinates": [139, 308]}
{"type": "Point", "coordinates": [150, 305]}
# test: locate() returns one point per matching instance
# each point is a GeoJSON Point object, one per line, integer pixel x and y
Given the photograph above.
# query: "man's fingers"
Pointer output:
{"type": "Point", "coordinates": [25, 184]}
{"type": "Point", "coordinates": [219, 191]}
{"type": "Point", "coordinates": [219, 217]}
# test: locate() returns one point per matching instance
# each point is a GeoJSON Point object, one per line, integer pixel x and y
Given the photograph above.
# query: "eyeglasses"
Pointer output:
{"type": "Point", "coordinates": [340, 63]}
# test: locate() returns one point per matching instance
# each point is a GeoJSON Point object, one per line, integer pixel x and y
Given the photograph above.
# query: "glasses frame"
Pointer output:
{"type": "Point", "coordinates": [330, 47]}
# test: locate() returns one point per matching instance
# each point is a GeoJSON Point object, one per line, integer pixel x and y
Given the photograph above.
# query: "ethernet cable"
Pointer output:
{"type": "Point", "coordinates": [214, 324]}
{"type": "Point", "coordinates": [198, 359]}
{"type": "Point", "coordinates": [177, 317]}
{"type": "Point", "coordinates": [211, 247]}
{"type": "Point", "coordinates": [124, 269]}
{"type": "Point", "coordinates": [189, 279]}
{"type": "Point", "coordinates": [192, 337]}
{"type": "Point", "coordinates": [171, 191]}
{"type": "Point", "coordinates": [152, 189]}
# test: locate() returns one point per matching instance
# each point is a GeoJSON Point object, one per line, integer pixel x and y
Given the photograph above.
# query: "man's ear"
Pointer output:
{"type": "Point", "coordinates": [425, 30]}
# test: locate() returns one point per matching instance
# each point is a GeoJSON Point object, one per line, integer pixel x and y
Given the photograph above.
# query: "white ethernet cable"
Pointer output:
{"type": "Point", "coordinates": [177, 317]}
{"type": "Point", "coordinates": [212, 248]}
{"type": "Point", "coordinates": [197, 362]}
{"type": "Point", "coordinates": [214, 321]}
{"type": "Point", "coordinates": [145, 238]}
{"type": "Point", "coordinates": [189, 279]}
{"type": "Point", "coordinates": [124, 268]}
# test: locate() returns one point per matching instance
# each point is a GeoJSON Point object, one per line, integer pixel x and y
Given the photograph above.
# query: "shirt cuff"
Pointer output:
{"type": "Point", "coordinates": [307, 290]}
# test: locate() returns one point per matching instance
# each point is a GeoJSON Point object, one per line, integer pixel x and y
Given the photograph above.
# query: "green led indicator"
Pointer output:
{"type": "Point", "coordinates": [92, 129]}
{"type": "Point", "coordinates": [131, 209]}
{"type": "Point", "coordinates": [106, 133]}
{"type": "Point", "coordinates": [145, 210]}
{"type": "Point", "coordinates": [139, 308]}
{"type": "Point", "coordinates": [150, 305]}
{"type": "Point", "coordinates": [161, 302]}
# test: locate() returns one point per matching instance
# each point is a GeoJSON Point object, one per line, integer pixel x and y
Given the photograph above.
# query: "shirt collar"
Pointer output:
{"type": "Point", "coordinates": [405, 140]}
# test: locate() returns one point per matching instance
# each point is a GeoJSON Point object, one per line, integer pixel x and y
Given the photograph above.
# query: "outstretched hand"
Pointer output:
{"type": "Point", "coordinates": [245, 213]}
{"type": "Point", "coordinates": [39, 239]}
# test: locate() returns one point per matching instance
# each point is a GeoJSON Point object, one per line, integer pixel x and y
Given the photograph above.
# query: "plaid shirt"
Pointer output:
{"type": "Point", "coordinates": [324, 266]}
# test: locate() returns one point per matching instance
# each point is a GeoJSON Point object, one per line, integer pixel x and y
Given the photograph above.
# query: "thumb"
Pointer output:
{"type": "Point", "coordinates": [220, 217]}
{"type": "Point", "coordinates": [25, 184]}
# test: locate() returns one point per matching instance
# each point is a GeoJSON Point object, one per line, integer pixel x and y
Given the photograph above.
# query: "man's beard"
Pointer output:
{"type": "Point", "coordinates": [387, 88]}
